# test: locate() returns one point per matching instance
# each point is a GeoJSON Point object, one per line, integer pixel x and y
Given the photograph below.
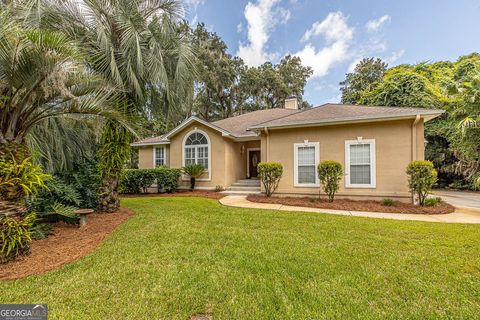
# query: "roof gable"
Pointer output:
{"type": "Point", "coordinates": [191, 120]}
{"type": "Point", "coordinates": [165, 139]}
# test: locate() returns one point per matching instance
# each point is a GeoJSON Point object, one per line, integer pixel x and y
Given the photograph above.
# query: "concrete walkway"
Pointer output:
{"type": "Point", "coordinates": [460, 199]}
{"type": "Point", "coordinates": [462, 215]}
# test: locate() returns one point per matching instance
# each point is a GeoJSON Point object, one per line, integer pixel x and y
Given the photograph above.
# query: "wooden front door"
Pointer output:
{"type": "Point", "coordinates": [253, 160]}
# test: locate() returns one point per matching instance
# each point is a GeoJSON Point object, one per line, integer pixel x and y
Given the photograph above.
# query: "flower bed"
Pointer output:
{"type": "Point", "coordinates": [355, 205]}
{"type": "Point", "coordinates": [67, 244]}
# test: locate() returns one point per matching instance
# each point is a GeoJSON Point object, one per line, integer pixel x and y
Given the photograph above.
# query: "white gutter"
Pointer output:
{"type": "Point", "coordinates": [141, 144]}
{"type": "Point", "coordinates": [414, 137]}
{"type": "Point", "coordinates": [413, 153]}
{"type": "Point", "coordinates": [267, 147]}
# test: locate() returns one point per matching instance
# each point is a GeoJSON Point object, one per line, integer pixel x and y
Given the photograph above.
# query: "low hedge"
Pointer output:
{"type": "Point", "coordinates": [139, 180]}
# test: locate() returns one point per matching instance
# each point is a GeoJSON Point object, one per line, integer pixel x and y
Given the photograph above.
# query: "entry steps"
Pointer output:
{"type": "Point", "coordinates": [244, 187]}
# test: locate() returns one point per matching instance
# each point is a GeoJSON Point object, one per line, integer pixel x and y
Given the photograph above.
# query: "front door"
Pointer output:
{"type": "Point", "coordinates": [253, 160]}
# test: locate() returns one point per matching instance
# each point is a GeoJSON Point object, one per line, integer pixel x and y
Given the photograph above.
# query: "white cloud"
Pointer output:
{"type": "Point", "coordinates": [371, 49]}
{"type": "Point", "coordinates": [334, 27]}
{"type": "Point", "coordinates": [239, 27]}
{"type": "Point", "coordinates": [374, 25]}
{"type": "Point", "coordinates": [335, 99]}
{"type": "Point", "coordinates": [338, 35]}
{"type": "Point", "coordinates": [261, 19]}
{"type": "Point", "coordinates": [395, 56]}
{"type": "Point", "coordinates": [195, 3]}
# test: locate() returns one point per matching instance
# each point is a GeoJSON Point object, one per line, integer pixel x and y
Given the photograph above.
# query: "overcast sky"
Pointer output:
{"type": "Point", "coordinates": [331, 36]}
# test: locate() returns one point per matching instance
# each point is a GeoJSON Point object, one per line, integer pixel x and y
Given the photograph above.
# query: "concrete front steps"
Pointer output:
{"type": "Point", "coordinates": [244, 187]}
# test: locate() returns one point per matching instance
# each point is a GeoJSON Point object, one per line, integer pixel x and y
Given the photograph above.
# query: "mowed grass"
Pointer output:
{"type": "Point", "coordinates": [183, 256]}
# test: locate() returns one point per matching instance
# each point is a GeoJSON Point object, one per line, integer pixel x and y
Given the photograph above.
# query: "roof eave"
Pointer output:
{"type": "Point", "coordinates": [427, 117]}
{"type": "Point", "coordinates": [141, 144]}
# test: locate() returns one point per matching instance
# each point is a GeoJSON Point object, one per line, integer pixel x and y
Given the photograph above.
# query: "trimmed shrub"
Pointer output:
{"type": "Point", "coordinates": [270, 174]}
{"type": "Point", "coordinates": [388, 202]}
{"type": "Point", "coordinates": [432, 202]}
{"type": "Point", "coordinates": [193, 171]}
{"type": "Point", "coordinates": [330, 173]}
{"type": "Point", "coordinates": [167, 179]}
{"type": "Point", "coordinates": [421, 178]}
{"type": "Point", "coordinates": [15, 236]}
{"type": "Point", "coordinates": [136, 180]}
{"type": "Point", "coordinates": [139, 180]}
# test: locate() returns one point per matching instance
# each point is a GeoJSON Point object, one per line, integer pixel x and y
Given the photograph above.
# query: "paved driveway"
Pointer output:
{"type": "Point", "coordinates": [467, 199]}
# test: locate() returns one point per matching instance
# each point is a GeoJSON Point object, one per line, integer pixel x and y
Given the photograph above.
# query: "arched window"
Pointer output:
{"type": "Point", "coordinates": [196, 150]}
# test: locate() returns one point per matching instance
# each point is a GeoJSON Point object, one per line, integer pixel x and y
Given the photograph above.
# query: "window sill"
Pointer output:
{"type": "Point", "coordinates": [306, 185]}
{"type": "Point", "coordinates": [360, 186]}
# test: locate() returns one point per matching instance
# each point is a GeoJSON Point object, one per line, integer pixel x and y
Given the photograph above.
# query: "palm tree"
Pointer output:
{"type": "Point", "coordinates": [193, 171]}
{"type": "Point", "coordinates": [137, 46]}
{"type": "Point", "coordinates": [42, 76]}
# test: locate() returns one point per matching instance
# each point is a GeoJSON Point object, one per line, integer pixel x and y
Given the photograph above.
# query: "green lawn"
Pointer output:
{"type": "Point", "coordinates": [183, 256]}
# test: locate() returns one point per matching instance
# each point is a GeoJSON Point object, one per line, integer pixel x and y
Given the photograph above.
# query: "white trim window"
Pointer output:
{"type": "Point", "coordinates": [196, 146]}
{"type": "Point", "coordinates": [306, 158]}
{"type": "Point", "coordinates": [360, 163]}
{"type": "Point", "coordinates": [158, 156]}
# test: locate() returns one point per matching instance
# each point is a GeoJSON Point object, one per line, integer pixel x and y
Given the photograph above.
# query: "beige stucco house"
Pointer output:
{"type": "Point", "coordinates": [374, 145]}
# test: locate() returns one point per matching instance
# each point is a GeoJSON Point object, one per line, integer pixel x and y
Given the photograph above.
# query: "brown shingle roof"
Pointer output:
{"type": "Point", "coordinates": [329, 113]}
{"type": "Point", "coordinates": [151, 140]}
{"type": "Point", "coordinates": [239, 125]}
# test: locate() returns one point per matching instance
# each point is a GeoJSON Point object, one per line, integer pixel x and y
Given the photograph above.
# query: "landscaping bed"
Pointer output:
{"type": "Point", "coordinates": [182, 193]}
{"type": "Point", "coordinates": [68, 243]}
{"type": "Point", "coordinates": [354, 205]}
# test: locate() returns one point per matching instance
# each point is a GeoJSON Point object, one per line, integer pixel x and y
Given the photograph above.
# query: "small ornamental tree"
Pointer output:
{"type": "Point", "coordinates": [421, 178]}
{"type": "Point", "coordinates": [330, 173]}
{"type": "Point", "coordinates": [270, 174]}
{"type": "Point", "coordinates": [193, 171]}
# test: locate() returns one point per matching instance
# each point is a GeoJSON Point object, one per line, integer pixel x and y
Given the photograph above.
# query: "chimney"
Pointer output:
{"type": "Point", "coordinates": [291, 103]}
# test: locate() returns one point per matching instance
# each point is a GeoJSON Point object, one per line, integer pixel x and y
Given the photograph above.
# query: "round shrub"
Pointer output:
{"type": "Point", "coordinates": [330, 173]}
{"type": "Point", "coordinates": [421, 178]}
{"type": "Point", "coordinates": [270, 174]}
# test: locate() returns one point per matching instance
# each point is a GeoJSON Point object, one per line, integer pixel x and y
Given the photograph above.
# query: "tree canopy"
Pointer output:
{"type": "Point", "coordinates": [454, 138]}
{"type": "Point", "coordinates": [226, 86]}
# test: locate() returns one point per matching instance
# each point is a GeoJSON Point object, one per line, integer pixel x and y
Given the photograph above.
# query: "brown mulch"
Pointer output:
{"type": "Point", "coordinates": [67, 244]}
{"type": "Point", "coordinates": [182, 193]}
{"type": "Point", "coordinates": [354, 205]}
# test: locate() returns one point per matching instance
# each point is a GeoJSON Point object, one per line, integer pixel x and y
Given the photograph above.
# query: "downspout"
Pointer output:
{"type": "Point", "coordinates": [267, 147]}
{"type": "Point", "coordinates": [414, 145]}
{"type": "Point", "coordinates": [414, 138]}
